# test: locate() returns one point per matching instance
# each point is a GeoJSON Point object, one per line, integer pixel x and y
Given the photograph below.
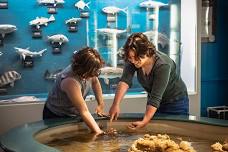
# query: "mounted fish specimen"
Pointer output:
{"type": "Point", "coordinates": [73, 24]}
{"type": "Point", "coordinates": [81, 5]}
{"type": "Point", "coordinates": [110, 73]}
{"type": "Point", "coordinates": [26, 52]}
{"type": "Point", "coordinates": [51, 2]}
{"type": "Point", "coordinates": [9, 77]}
{"type": "Point", "coordinates": [73, 20]}
{"type": "Point", "coordinates": [113, 10]}
{"type": "Point", "coordinates": [111, 31]}
{"type": "Point", "coordinates": [152, 4]}
{"type": "Point", "coordinates": [7, 28]}
{"type": "Point", "coordinates": [52, 75]}
{"type": "Point", "coordinates": [58, 38]}
{"type": "Point", "coordinates": [41, 21]}
{"type": "Point", "coordinates": [163, 40]}
{"type": "Point", "coordinates": [56, 42]}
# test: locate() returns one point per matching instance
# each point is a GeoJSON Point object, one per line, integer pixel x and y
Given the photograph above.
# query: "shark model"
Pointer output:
{"type": "Point", "coordinates": [26, 52]}
{"type": "Point", "coordinates": [7, 28]}
{"type": "Point", "coordinates": [73, 20]}
{"type": "Point", "coordinates": [81, 5]}
{"type": "Point", "coordinates": [8, 78]}
{"type": "Point", "coordinates": [50, 2]}
{"type": "Point", "coordinates": [110, 73]}
{"type": "Point", "coordinates": [41, 21]}
{"type": "Point", "coordinates": [113, 10]}
{"type": "Point", "coordinates": [59, 38]}
{"type": "Point", "coordinates": [152, 4]}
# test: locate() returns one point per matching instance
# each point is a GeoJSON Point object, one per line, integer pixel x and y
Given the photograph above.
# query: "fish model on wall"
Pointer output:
{"type": "Point", "coordinates": [58, 38]}
{"type": "Point", "coordinates": [113, 10]}
{"type": "Point", "coordinates": [9, 77]}
{"type": "Point", "coordinates": [52, 75]}
{"type": "Point", "coordinates": [41, 21]}
{"type": "Point", "coordinates": [26, 52]}
{"type": "Point", "coordinates": [7, 28]}
{"type": "Point", "coordinates": [73, 20]}
{"type": "Point", "coordinates": [163, 40]}
{"type": "Point", "coordinates": [50, 2]}
{"type": "Point", "coordinates": [152, 4]}
{"type": "Point", "coordinates": [110, 73]}
{"type": "Point", "coordinates": [81, 5]}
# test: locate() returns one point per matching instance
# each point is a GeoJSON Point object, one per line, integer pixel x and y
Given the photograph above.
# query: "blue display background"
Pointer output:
{"type": "Point", "coordinates": [214, 74]}
{"type": "Point", "coordinates": [20, 13]}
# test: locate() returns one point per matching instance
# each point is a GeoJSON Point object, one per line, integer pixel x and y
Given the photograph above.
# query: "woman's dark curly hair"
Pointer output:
{"type": "Point", "coordinates": [140, 45]}
{"type": "Point", "coordinates": [87, 62]}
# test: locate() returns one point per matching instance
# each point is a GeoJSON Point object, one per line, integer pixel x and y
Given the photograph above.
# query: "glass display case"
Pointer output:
{"type": "Point", "coordinates": [104, 25]}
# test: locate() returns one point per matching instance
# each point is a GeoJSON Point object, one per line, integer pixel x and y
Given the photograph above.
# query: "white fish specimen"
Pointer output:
{"type": "Point", "coordinates": [26, 52]}
{"type": "Point", "coordinates": [7, 28]}
{"type": "Point", "coordinates": [22, 99]}
{"type": "Point", "coordinates": [113, 10]}
{"type": "Point", "coordinates": [163, 40]}
{"type": "Point", "coordinates": [52, 75]}
{"type": "Point", "coordinates": [73, 20]}
{"type": "Point", "coordinates": [50, 2]}
{"type": "Point", "coordinates": [152, 4]}
{"type": "Point", "coordinates": [111, 31]}
{"type": "Point", "coordinates": [1, 53]}
{"type": "Point", "coordinates": [9, 77]}
{"type": "Point", "coordinates": [42, 21]}
{"type": "Point", "coordinates": [60, 38]}
{"type": "Point", "coordinates": [110, 73]}
{"type": "Point", "coordinates": [81, 5]}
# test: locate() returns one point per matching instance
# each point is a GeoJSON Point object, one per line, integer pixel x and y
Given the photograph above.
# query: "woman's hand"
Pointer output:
{"type": "Point", "coordinates": [99, 111]}
{"type": "Point", "coordinates": [114, 112]}
{"type": "Point", "coordinates": [136, 125]}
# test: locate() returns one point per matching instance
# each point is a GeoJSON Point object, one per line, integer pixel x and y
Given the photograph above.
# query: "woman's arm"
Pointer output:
{"type": "Point", "coordinates": [120, 92]}
{"type": "Point", "coordinates": [96, 86]}
{"type": "Point", "coordinates": [73, 91]}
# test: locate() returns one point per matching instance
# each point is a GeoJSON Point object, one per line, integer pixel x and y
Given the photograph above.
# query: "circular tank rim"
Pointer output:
{"type": "Point", "coordinates": [21, 138]}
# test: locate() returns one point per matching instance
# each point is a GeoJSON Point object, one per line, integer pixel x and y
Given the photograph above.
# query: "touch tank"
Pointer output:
{"type": "Point", "coordinates": [73, 135]}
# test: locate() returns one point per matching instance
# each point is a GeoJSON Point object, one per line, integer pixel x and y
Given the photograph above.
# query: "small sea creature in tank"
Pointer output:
{"type": "Point", "coordinates": [41, 21]}
{"type": "Point", "coordinates": [113, 10]}
{"type": "Point", "coordinates": [58, 38]}
{"type": "Point", "coordinates": [50, 2]}
{"type": "Point", "coordinates": [73, 20]}
{"type": "Point", "coordinates": [7, 28]}
{"type": "Point", "coordinates": [26, 52]}
{"type": "Point", "coordinates": [9, 77]}
{"type": "Point", "coordinates": [81, 5]}
{"type": "Point", "coordinates": [1, 53]}
{"type": "Point", "coordinates": [110, 73]}
{"type": "Point", "coordinates": [52, 75]}
{"type": "Point", "coordinates": [152, 4]}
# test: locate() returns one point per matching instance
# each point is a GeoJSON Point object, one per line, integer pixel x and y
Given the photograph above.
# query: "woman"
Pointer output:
{"type": "Point", "coordinates": [67, 97]}
{"type": "Point", "coordinates": [157, 74]}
